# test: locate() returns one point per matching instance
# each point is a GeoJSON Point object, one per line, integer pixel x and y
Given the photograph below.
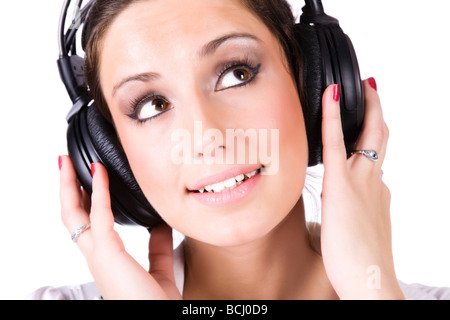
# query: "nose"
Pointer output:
{"type": "Point", "coordinates": [206, 123]}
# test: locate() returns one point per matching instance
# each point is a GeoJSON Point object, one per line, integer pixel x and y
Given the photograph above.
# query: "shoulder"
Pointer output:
{"type": "Point", "coordinates": [417, 291]}
{"type": "Point", "coordinates": [87, 291]}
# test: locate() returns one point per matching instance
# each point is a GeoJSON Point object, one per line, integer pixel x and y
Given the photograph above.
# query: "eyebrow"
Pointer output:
{"type": "Point", "coordinates": [206, 50]}
{"type": "Point", "coordinates": [143, 77]}
{"type": "Point", "coordinates": [213, 45]}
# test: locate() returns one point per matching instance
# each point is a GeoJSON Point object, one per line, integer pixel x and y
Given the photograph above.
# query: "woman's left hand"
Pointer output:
{"type": "Point", "coordinates": [356, 229]}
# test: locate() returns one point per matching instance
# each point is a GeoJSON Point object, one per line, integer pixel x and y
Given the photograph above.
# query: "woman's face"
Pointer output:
{"type": "Point", "coordinates": [191, 86]}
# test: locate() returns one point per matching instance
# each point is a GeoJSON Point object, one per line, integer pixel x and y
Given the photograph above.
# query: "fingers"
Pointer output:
{"type": "Point", "coordinates": [117, 275]}
{"type": "Point", "coordinates": [161, 252]}
{"type": "Point", "coordinates": [73, 213]}
{"type": "Point", "coordinates": [334, 153]}
{"type": "Point", "coordinates": [77, 209]}
{"type": "Point", "coordinates": [102, 219]}
{"type": "Point", "coordinates": [374, 134]}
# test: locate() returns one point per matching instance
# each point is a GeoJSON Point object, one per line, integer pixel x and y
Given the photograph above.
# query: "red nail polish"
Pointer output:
{"type": "Point", "coordinates": [336, 92]}
{"type": "Point", "coordinates": [92, 169]}
{"type": "Point", "coordinates": [372, 83]}
{"type": "Point", "coordinates": [59, 162]}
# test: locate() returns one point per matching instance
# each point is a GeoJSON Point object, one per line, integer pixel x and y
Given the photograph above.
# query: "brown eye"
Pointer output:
{"type": "Point", "coordinates": [234, 78]}
{"type": "Point", "coordinates": [152, 108]}
{"type": "Point", "coordinates": [160, 104]}
{"type": "Point", "coordinates": [237, 76]}
{"type": "Point", "coordinates": [241, 74]}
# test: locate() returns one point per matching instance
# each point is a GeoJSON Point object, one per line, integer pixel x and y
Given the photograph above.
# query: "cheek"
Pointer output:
{"type": "Point", "coordinates": [285, 111]}
{"type": "Point", "coordinates": [151, 164]}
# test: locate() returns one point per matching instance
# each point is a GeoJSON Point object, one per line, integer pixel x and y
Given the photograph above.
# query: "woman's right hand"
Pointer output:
{"type": "Point", "coordinates": [117, 275]}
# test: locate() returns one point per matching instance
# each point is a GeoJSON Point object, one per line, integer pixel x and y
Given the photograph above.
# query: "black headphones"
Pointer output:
{"type": "Point", "coordinates": [329, 58]}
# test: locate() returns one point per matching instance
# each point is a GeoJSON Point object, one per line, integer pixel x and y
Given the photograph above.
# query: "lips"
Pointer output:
{"type": "Point", "coordinates": [227, 188]}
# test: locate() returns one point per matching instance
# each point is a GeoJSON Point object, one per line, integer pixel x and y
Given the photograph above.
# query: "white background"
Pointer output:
{"type": "Point", "coordinates": [403, 44]}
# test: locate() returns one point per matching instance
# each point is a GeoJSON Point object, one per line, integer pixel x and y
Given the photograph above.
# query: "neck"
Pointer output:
{"type": "Point", "coordinates": [281, 265]}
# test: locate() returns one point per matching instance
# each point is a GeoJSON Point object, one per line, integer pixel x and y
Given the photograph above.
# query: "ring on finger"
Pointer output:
{"type": "Point", "coordinates": [79, 231]}
{"type": "Point", "coordinates": [369, 154]}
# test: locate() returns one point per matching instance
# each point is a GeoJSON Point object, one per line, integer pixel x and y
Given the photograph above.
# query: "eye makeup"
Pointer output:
{"type": "Point", "coordinates": [157, 105]}
{"type": "Point", "coordinates": [236, 73]}
{"type": "Point", "coordinates": [233, 73]}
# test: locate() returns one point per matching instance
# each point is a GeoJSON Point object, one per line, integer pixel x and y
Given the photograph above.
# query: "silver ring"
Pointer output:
{"type": "Point", "coordinates": [369, 154]}
{"type": "Point", "coordinates": [79, 231]}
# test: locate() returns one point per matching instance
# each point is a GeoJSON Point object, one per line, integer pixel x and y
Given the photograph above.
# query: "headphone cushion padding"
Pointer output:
{"type": "Point", "coordinates": [108, 147]}
{"type": "Point", "coordinates": [313, 85]}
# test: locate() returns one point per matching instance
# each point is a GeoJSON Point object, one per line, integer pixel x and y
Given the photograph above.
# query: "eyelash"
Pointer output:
{"type": "Point", "coordinates": [236, 64]}
{"type": "Point", "coordinates": [136, 103]}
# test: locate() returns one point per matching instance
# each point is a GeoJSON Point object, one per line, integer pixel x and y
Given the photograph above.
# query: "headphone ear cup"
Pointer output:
{"type": "Point", "coordinates": [352, 95]}
{"type": "Point", "coordinates": [329, 58]}
{"type": "Point", "coordinates": [313, 81]}
{"type": "Point", "coordinates": [93, 139]}
{"type": "Point", "coordinates": [128, 199]}
{"type": "Point", "coordinates": [106, 143]}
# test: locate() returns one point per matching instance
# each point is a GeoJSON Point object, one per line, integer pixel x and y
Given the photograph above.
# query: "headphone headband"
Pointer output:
{"type": "Point", "coordinates": [70, 65]}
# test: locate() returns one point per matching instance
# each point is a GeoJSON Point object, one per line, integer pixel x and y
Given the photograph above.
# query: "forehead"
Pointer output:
{"type": "Point", "coordinates": [162, 26]}
{"type": "Point", "coordinates": [191, 15]}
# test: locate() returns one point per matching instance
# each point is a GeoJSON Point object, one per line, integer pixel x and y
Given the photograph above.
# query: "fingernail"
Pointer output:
{"type": "Point", "coordinates": [92, 169]}
{"type": "Point", "coordinates": [59, 162]}
{"type": "Point", "coordinates": [336, 92]}
{"type": "Point", "coordinates": [373, 83]}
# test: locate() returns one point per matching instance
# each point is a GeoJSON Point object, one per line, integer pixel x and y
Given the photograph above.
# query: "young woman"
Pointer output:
{"type": "Point", "coordinates": [156, 68]}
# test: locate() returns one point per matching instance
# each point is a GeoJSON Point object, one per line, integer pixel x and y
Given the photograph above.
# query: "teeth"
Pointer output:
{"type": "Point", "coordinates": [218, 187]}
{"type": "Point", "coordinates": [251, 174]}
{"type": "Point", "coordinates": [228, 184]}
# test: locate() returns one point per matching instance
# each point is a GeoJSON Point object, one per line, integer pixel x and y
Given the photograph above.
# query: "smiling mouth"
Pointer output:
{"type": "Point", "coordinates": [228, 184]}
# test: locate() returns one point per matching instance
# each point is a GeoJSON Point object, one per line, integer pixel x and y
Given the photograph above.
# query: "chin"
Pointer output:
{"type": "Point", "coordinates": [242, 222]}
{"type": "Point", "coordinates": [239, 227]}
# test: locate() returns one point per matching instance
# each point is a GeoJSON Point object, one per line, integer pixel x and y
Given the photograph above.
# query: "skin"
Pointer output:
{"type": "Point", "coordinates": [188, 80]}
{"type": "Point", "coordinates": [230, 250]}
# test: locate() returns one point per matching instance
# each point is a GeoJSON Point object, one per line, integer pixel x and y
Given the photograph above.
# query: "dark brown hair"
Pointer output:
{"type": "Point", "coordinates": [275, 14]}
